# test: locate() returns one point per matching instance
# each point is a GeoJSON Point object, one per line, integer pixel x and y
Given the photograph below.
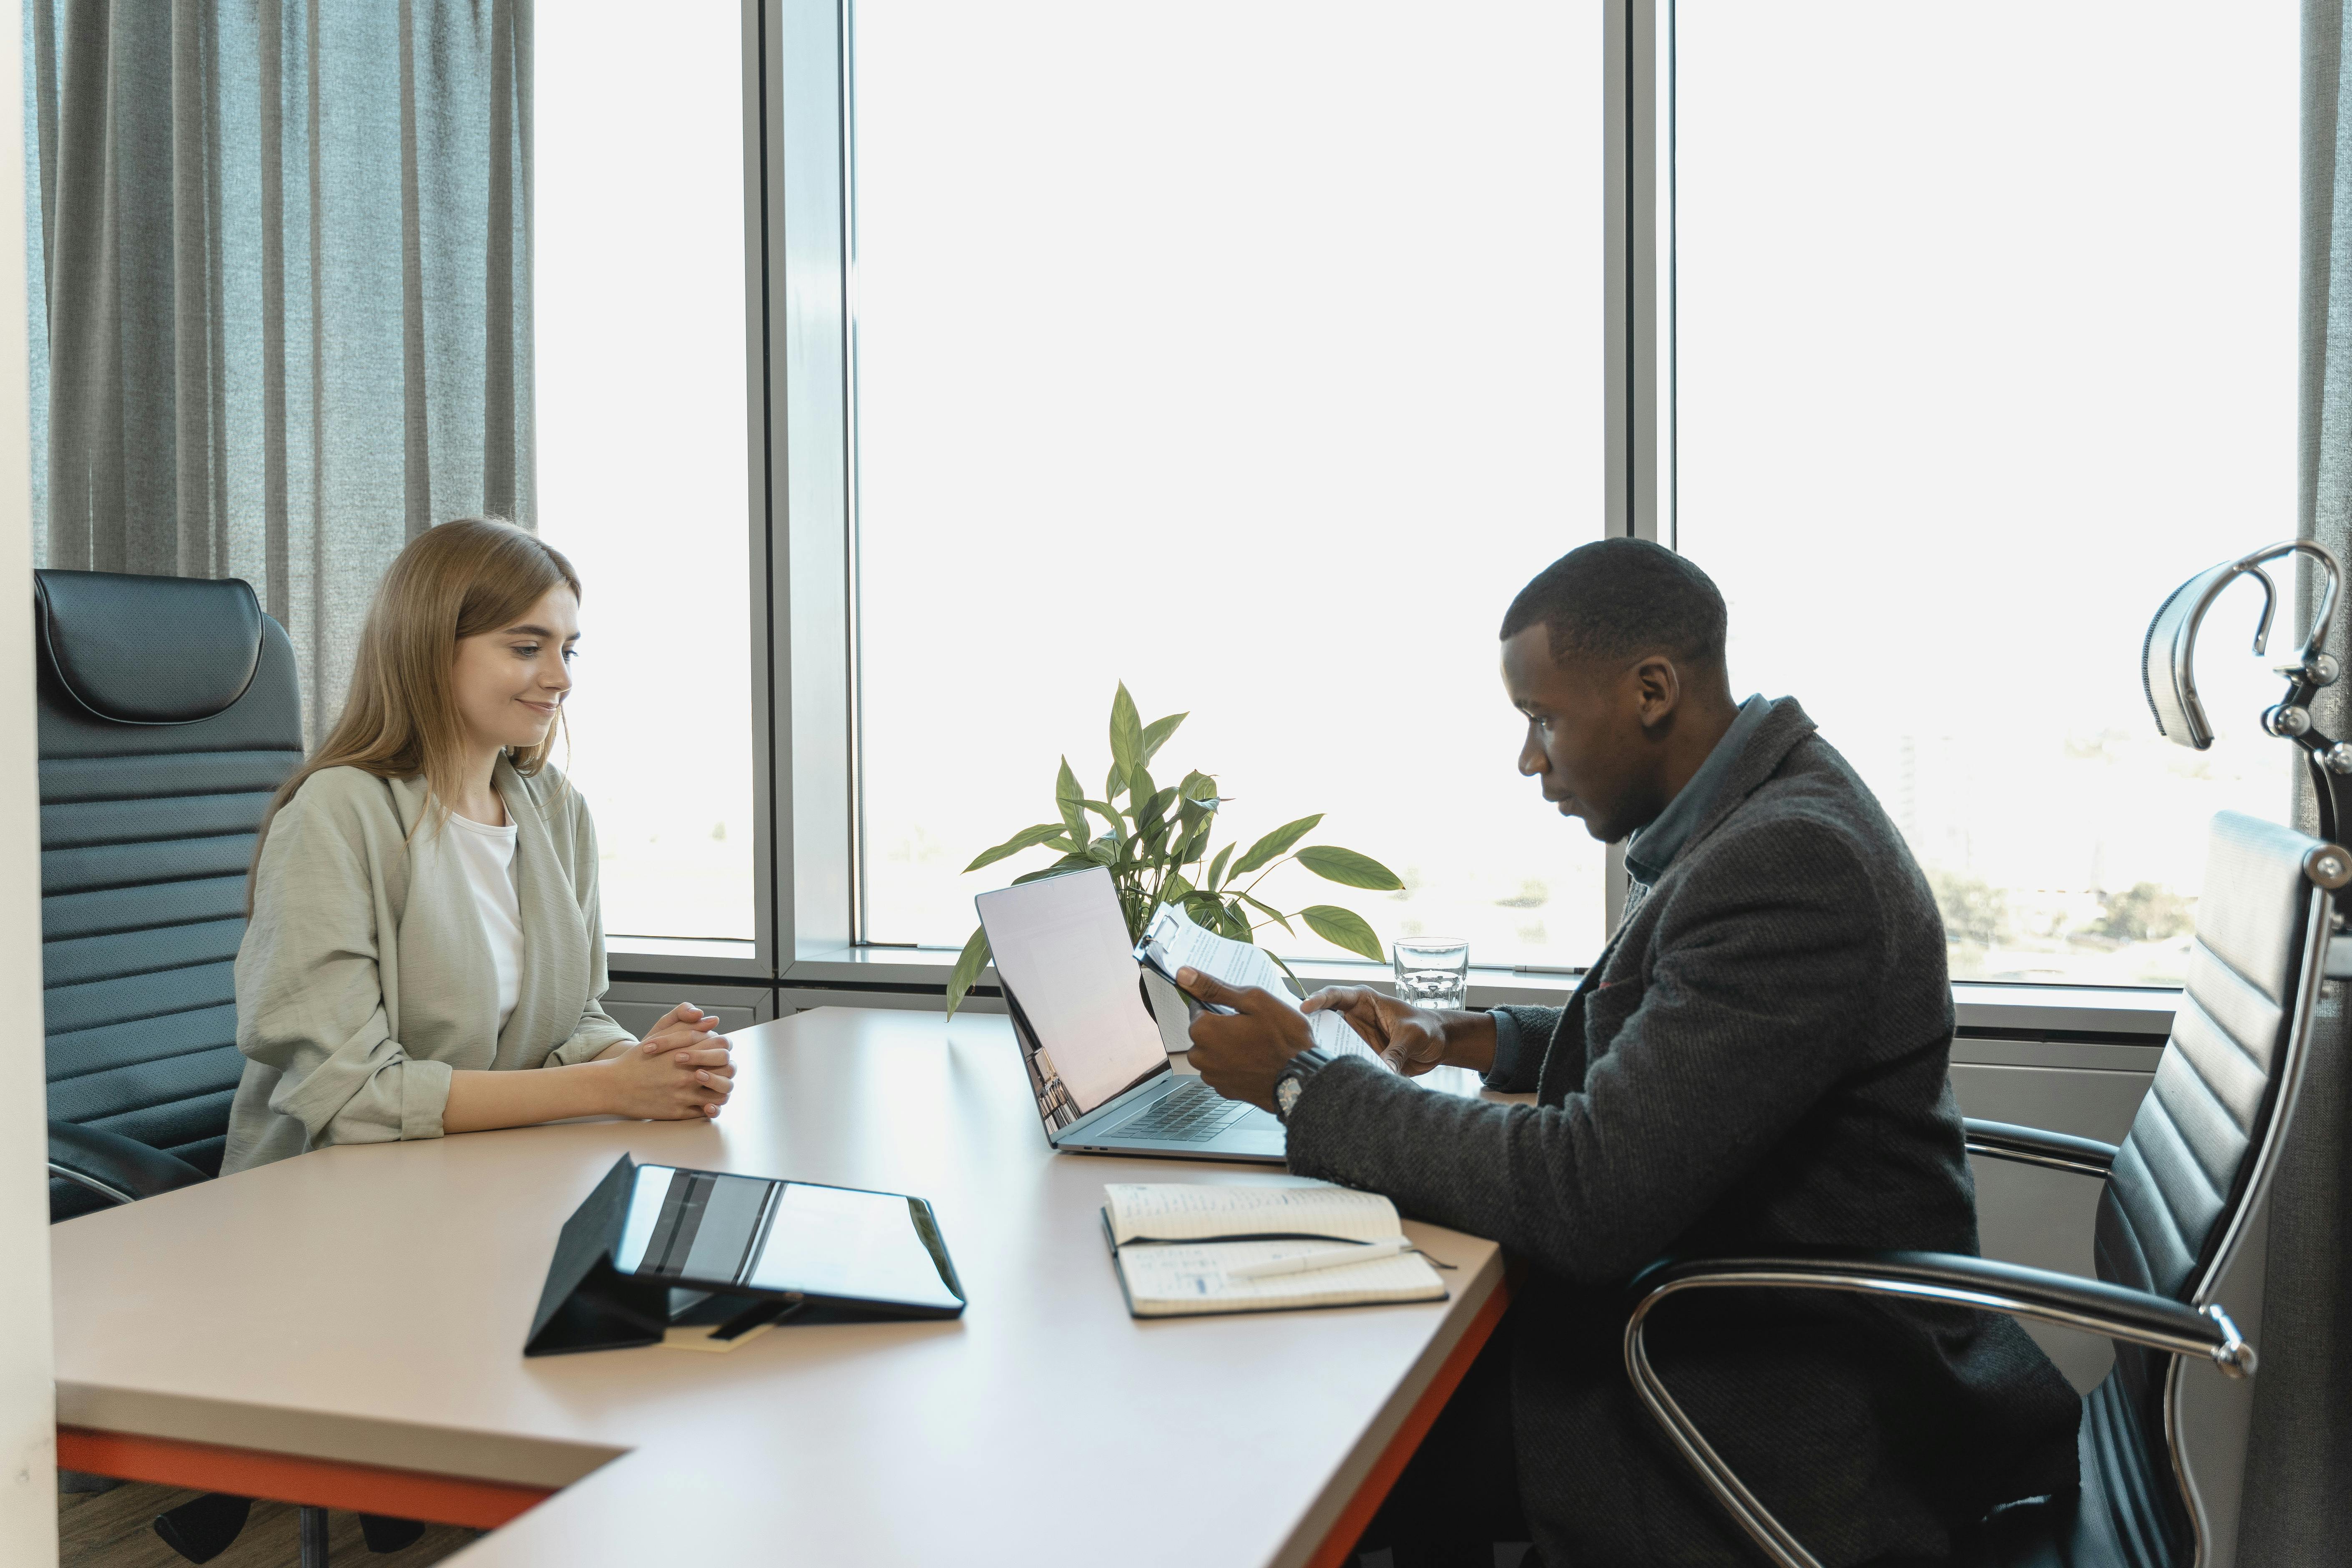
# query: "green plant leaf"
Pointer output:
{"type": "Point", "coordinates": [1153, 813]}
{"type": "Point", "coordinates": [1027, 837]}
{"type": "Point", "coordinates": [1103, 852]}
{"type": "Point", "coordinates": [1176, 890]}
{"type": "Point", "coordinates": [1112, 817]}
{"type": "Point", "coordinates": [1233, 923]}
{"type": "Point", "coordinates": [1217, 866]}
{"type": "Point", "coordinates": [1190, 810]}
{"type": "Point", "coordinates": [1071, 799]}
{"type": "Point", "coordinates": [1067, 863]}
{"type": "Point", "coordinates": [1276, 844]}
{"type": "Point", "coordinates": [1114, 782]}
{"type": "Point", "coordinates": [1348, 869]}
{"type": "Point", "coordinates": [1343, 928]}
{"type": "Point", "coordinates": [1289, 977]}
{"type": "Point", "coordinates": [967, 968]}
{"type": "Point", "coordinates": [1277, 916]}
{"type": "Point", "coordinates": [1156, 734]}
{"type": "Point", "coordinates": [1126, 733]}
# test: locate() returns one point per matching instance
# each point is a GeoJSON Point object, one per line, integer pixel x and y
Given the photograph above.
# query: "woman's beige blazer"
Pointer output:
{"type": "Point", "coordinates": [365, 978]}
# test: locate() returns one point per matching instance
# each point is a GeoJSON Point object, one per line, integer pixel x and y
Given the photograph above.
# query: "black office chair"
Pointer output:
{"type": "Point", "coordinates": [2179, 1188]}
{"type": "Point", "coordinates": [169, 714]}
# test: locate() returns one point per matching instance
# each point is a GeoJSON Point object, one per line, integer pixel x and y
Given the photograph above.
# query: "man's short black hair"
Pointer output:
{"type": "Point", "coordinates": [1622, 598]}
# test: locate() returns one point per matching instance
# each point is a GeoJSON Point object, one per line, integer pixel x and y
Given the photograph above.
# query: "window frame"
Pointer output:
{"type": "Point", "coordinates": [801, 388]}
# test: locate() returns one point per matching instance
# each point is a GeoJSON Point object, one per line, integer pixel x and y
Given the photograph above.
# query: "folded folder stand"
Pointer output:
{"type": "Point", "coordinates": [587, 1304]}
{"type": "Point", "coordinates": [715, 1254]}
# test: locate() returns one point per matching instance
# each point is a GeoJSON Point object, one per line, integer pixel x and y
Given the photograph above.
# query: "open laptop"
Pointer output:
{"type": "Point", "coordinates": [1096, 1061]}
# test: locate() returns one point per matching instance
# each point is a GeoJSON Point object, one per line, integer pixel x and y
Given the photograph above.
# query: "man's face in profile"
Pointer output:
{"type": "Point", "coordinates": [1585, 742]}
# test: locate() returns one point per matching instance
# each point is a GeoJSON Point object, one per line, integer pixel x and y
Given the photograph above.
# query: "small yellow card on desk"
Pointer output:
{"type": "Point", "coordinates": [721, 1323]}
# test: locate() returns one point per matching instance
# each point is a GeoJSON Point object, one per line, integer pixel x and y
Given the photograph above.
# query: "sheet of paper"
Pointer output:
{"type": "Point", "coordinates": [1238, 964]}
{"type": "Point", "coordinates": [1169, 1280]}
{"type": "Point", "coordinates": [1177, 1211]}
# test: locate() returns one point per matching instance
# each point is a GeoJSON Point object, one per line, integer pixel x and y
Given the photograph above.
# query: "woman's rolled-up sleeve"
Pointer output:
{"type": "Point", "coordinates": [309, 991]}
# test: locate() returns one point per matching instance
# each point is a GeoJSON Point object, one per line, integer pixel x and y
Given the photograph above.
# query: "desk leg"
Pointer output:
{"type": "Point", "coordinates": [1337, 1546]}
{"type": "Point", "coordinates": [288, 1478]}
{"type": "Point", "coordinates": [314, 1537]}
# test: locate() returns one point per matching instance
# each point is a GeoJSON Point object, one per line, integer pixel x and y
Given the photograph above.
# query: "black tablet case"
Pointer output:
{"type": "Point", "coordinates": [587, 1304]}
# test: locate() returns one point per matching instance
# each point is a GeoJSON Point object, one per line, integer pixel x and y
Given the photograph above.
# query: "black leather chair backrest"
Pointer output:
{"type": "Point", "coordinates": [169, 713]}
{"type": "Point", "coordinates": [2183, 1179]}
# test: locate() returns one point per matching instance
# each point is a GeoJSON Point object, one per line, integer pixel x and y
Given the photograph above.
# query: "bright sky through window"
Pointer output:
{"type": "Point", "coordinates": [1249, 352]}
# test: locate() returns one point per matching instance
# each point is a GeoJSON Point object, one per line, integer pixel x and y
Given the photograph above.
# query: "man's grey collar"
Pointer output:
{"type": "Point", "coordinates": [1650, 851]}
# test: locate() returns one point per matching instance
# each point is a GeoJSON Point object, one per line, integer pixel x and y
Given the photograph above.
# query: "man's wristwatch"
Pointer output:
{"type": "Point", "coordinates": [1291, 1081]}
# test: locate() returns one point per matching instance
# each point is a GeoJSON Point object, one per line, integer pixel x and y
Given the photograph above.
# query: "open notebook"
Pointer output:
{"type": "Point", "coordinates": [1175, 1245]}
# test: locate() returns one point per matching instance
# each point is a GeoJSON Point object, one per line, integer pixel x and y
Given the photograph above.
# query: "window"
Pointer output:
{"type": "Point", "coordinates": [1984, 340]}
{"type": "Point", "coordinates": [642, 428]}
{"type": "Point", "coordinates": [1250, 353]}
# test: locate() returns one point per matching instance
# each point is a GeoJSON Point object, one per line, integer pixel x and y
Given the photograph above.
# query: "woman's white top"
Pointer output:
{"type": "Point", "coordinates": [486, 855]}
{"type": "Point", "coordinates": [365, 981]}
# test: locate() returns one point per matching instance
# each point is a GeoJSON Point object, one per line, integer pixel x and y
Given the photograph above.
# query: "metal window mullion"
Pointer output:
{"type": "Point", "coordinates": [1637, 221]}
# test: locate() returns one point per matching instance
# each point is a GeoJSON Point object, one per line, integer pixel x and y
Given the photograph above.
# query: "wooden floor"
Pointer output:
{"type": "Point", "coordinates": [114, 1530]}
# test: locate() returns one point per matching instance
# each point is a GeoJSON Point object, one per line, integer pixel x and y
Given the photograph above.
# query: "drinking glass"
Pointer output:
{"type": "Point", "coordinates": [1431, 972]}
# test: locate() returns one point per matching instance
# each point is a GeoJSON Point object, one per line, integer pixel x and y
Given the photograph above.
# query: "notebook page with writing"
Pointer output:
{"type": "Point", "coordinates": [1172, 1211]}
{"type": "Point", "coordinates": [1174, 1281]}
{"type": "Point", "coordinates": [1241, 965]}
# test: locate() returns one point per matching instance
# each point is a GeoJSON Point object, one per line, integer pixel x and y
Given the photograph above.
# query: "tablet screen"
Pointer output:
{"type": "Point", "coordinates": [748, 1233]}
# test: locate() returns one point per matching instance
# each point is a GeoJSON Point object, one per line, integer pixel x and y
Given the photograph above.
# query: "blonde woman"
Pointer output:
{"type": "Point", "coordinates": [424, 953]}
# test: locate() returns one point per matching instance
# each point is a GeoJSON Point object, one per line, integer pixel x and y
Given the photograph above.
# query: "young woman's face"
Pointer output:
{"type": "Point", "coordinates": [511, 681]}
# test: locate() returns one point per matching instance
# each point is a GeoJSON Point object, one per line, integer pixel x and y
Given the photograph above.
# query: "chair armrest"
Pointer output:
{"type": "Point", "coordinates": [2136, 1317]}
{"type": "Point", "coordinates": [2032, 1146]}
{"type": "Point", "coordinates": [117, 1169]}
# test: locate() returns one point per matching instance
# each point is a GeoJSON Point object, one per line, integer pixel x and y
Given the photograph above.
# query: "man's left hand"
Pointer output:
{"type": "Point", "coordinates": [1239, 1055]}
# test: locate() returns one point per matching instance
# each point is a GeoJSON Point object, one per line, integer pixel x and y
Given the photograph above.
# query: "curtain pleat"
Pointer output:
{"type": "Point", "coordinates": [280, 259]}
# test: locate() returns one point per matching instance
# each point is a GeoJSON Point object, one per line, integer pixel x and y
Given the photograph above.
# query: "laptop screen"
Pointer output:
{"type": "Point", "coordinates": [1062, 950]}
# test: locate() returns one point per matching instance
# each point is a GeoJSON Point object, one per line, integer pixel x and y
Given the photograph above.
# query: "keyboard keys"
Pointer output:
{"type": "Point", "coordinates": [1193, 1113]}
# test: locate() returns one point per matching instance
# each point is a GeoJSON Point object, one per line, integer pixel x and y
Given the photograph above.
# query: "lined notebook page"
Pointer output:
{"type": "Point", "coordinates": [1172, 1281]}
{"type": "Point", "coordinates": [1161, 1211]}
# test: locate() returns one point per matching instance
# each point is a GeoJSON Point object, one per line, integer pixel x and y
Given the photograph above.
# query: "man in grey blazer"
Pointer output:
{"type": "Point", "coordinates": [1758, 1061]}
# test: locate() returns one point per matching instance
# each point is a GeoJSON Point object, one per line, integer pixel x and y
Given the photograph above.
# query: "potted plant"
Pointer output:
{"type": "Point", "coordinates": [1155, 842]}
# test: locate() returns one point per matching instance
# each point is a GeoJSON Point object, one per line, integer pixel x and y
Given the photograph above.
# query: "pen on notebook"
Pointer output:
{"type": "Point", "coordinates": [1327, 1258]}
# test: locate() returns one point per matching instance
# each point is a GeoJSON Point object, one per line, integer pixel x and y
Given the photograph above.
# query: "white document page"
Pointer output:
{"type": "Point", "coordinates": [1171, 1281]}
{"type": "Point", "coordinates": [1061, 944]}
{"type": "Point", "coordinates": [1176, 1211]}
{"type": "Point", "coordinates": [1241, 965]}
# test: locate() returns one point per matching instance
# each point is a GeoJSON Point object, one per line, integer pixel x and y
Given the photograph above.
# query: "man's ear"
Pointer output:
{"type": "Point", "coordinates": [1658, 689]}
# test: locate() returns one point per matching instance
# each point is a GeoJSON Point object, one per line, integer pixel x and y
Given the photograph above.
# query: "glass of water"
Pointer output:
{"type": "Point", "coordinates": [1431, 972]}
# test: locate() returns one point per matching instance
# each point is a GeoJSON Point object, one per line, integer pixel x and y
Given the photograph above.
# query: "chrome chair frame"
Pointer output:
{"type": "Point", "coordinates": [2199, 1327]}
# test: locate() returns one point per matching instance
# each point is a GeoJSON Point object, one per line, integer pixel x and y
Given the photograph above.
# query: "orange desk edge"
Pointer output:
{"type": "Point", "coordinates": [486, 1505]}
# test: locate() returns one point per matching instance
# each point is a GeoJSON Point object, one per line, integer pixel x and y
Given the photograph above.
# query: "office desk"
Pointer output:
{"type": "Point", "coordinates": [346, 1327]}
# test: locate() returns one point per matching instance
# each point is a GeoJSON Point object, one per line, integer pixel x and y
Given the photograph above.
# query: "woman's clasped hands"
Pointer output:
{"type": "Point", "coordinates": [681, 1069]}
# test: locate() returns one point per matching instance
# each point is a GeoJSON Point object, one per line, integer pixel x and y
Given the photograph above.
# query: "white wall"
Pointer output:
{"type": "Point", "coordinates": [28, 1490]}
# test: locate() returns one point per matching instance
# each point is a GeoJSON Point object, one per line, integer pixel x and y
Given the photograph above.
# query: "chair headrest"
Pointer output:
{"type": "Point", "coordinates": [148, 651]}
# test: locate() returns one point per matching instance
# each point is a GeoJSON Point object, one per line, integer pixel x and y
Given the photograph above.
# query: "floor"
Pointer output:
{"type": "Point", "coordinates": [111, 1529]}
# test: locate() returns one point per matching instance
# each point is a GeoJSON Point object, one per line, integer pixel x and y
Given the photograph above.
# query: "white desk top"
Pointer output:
{"type": "Point", "coordinates": [369, 1304]}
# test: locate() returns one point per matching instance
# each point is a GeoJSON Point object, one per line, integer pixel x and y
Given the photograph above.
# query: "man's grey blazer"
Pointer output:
{"type": "Point", "coordinates": [1758, 1061]}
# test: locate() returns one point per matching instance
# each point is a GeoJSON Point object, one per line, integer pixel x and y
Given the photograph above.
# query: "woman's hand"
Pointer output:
{"type": "Point", "coordinates": [1411, 1040]}
{"type": "Point", "coordinates": [672, 1083]}
{"type": "Point", "coordinates": [683, 1027]}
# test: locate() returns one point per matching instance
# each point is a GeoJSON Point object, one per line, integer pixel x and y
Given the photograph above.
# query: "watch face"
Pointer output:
{"type": "Point", "coordinates": [1285, 1094]}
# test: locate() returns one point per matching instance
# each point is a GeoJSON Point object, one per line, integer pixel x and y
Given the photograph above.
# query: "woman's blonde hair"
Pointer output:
{"type": "Point", "coordinates": [400, 718]}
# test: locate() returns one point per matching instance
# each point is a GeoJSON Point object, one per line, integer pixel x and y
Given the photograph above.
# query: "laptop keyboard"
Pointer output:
{"type": "Point", "coordinates": [1189, 1113]}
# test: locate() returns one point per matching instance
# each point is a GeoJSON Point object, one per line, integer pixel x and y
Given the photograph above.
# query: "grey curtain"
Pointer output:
{"type": "Point", "coordinates": [2298, 1487]}
{"type": "Point", "coordinates": [280, 274]}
